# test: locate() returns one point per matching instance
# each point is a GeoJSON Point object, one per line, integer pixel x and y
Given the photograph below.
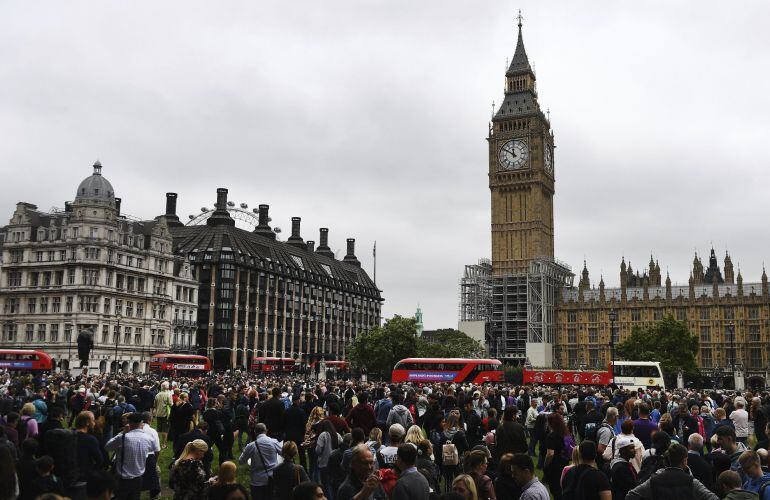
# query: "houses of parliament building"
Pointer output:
{"type": "Point", "coordinates": [729, 317]}
{"type": "Point", "coordinates": [525, 300]}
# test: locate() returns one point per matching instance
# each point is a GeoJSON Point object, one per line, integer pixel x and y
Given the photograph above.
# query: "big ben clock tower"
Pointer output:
{"type": "Point", "coordinates": [521, 172]}
{"type": "Point", "coordinates": [526, 279]}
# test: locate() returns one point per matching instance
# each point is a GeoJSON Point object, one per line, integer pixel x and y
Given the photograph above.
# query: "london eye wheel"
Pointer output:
{"type": "Point", "coordinates": [243, 217]}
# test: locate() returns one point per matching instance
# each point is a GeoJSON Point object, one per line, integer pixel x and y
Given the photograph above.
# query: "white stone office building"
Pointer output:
{"type": "Point", "coordinates": [89, 266]}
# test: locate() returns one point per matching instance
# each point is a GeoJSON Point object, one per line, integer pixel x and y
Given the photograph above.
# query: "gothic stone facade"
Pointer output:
{"type": "Point", "coordinates": [91, 267]}
{"type": "Point", "coordinates": [731, 318]}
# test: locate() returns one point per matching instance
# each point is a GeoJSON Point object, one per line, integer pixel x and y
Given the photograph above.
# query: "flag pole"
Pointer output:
{"type": "Point", "coordinates": [374, 254]}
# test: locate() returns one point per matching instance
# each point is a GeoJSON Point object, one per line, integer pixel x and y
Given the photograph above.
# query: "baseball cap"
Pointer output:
{"type": "Point", "coordinates": [622, 441]}
{"type": "Point", "coordinates": [396, 430]}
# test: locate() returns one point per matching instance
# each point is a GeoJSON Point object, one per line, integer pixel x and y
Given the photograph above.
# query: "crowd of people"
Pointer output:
{"type": "Point", "coordinates": [104, 436]}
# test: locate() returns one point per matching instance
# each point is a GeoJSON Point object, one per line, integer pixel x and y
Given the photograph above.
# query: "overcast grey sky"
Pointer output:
{"type": "Point", "coordinates": [370, 117]}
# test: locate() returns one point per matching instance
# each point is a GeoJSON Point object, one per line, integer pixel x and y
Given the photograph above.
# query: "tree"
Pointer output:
{"type": "Point", "coordinates": [381, 348]}
{"type": "Point", "coordinates": [450, 343]}
{"type": "Point", "coordinates": [668, 342]}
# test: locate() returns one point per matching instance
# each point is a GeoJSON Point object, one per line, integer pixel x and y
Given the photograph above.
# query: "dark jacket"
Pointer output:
{"type": "Point", "coordinates": [510, 437]}
{"type": "Point", "coordinates": [701, 469]}
{"type": "Point", "coordinates": [362, 415]}
{"type": "Point", "coordinates": [473, 423]}
{"type": "Point", "coordinates": [295, 420]}
{"type": "Point", "coordinates": [623, 479]}
{"type": "Point", "coordinates": [46, 426]}
{"type": "Point", "coordinates": [285, 477]}
{"type": "Point", "coordinates": [688, 424]}
{"type": "Point", "coordinates": [271, 414]}
{"type": "Point", "coordinates": [179, 419]}
{"type": "Point", "coordinates": [191, 436]}
{"type": "Point", "coordinates": [411, 486]}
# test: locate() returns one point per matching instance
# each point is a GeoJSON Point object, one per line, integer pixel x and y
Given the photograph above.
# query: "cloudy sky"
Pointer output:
{"type": "Point", "coordinates": [370, 117]}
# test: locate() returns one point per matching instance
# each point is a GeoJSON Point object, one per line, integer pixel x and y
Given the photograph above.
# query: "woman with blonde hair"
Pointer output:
{"type": "Point", "coordinates": [288, 475]}
{"type": "Point", "coordinates": [227, 475]}
{"type": "Point", "coordinates": [28, 419]}
{"type": "Point", "coordinates": [188, 477]}
{"type": "Point", "coordinates": [375, 439]}
{"type": "Point", "coordinates": [414, 435]}
{"type": "Point", "coordinates": [317, 414]}
{"type": "Point", "coordinates": [464, 485]}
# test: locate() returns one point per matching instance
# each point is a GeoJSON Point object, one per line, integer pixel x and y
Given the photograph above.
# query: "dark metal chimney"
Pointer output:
{"type": "Point", "coordinates": [264, 223]}
{"type": "Point", "coordinates": [310, 246]}
{"type": "Point", "coordinates": [170, 203]}
{"type": "Point", "coordinates": [295, 239]}
{"type": "Point", "coordinates": [323, 245]}
{"type": "Point", "coordinates": [221, 199]}
{"type": "Point", "coordinates": [171, 217]}
{"type": "Point", "coordinates": [221, 217]}
{"type": "Point", "coordinates": [350, 258]}
{"type": "Point", "coordinates": [117, 207]}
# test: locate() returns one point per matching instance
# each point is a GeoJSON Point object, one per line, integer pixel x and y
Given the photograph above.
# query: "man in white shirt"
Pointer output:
{"type": "Point", "coordinates": [151, 480]}
{"type": "Point", "coordinates": [131, 447]}
{"type": "Point", "coordinates": [388, 453]}
{"type": "Point", "coordinates": [740, 419]}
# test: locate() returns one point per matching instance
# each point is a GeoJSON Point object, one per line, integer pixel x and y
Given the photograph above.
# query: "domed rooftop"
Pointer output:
{"type": "Point", "coordinates": [96, 187]}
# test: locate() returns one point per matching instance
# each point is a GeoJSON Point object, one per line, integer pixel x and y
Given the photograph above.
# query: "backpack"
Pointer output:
{"type": "Point", "coordinates": [572, 490]}
{"type": "Point", "coordinates": [449, 454]}
{"type": "Point", "coordinates": [568, 448]}
{"type": "Point", "coordinates": [116, 413]}
{"type": "Point", "coordinates": [388, 479]}
{"type": "Point", "coordinates": [62, 446]}
{"type": "Point", "coordinates": [762, 489]}
{"type": "Point", "coordinates": [592, 431]}
{"type": "Point", "coordinates": [650, 465]}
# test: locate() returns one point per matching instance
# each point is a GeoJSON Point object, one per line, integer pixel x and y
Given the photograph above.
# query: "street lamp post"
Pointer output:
{"type": "Point", "coordinates": [117, 339]}
{"type": "Point", "coordinates": [613, 316]}
{"type": "Point", "coordinates": [731, 327]}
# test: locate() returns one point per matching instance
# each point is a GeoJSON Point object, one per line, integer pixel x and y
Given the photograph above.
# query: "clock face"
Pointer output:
{"type": "Point", "coordinates": [514, 155]}
{"type": "Point", "coordinates": [548, 159]}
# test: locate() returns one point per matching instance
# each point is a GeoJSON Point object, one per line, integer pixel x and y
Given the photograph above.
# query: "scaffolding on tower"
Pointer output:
{"type": "Point", "coordinates": [523, 317]}
{"type": "Point", "coordinates": [476, 291]}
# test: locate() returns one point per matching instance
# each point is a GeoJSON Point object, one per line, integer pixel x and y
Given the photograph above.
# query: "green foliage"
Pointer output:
{"type": "Point", "coordinates": [514, 374]}
{"type": "Point", "coordinates": [450, 343]}
{"type": "Point", "coordinates": [668, 342]}
{"type": "Point", "coordinates": [381, 348]}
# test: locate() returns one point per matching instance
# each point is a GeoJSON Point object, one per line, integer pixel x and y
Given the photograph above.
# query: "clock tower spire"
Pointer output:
{"type": "Point", "coordinates": [521, 171]}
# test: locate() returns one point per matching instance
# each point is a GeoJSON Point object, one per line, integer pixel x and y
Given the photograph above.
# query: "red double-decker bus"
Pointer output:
{"type": "Point", "coordinates": [274, 365]}
{"type": "Point", "coordinates": [25, 360]}
{"type": "Point", "coordinates": [554, 376]}
{"type": "Point", "coordinates": [334, 364]}
{"type": "Point", "coordinates": [188, 363]}
{"type": "Point", "coordinates": [476, 371]}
